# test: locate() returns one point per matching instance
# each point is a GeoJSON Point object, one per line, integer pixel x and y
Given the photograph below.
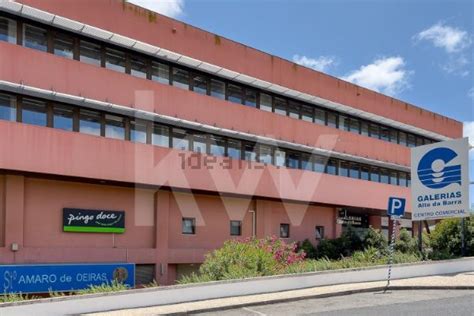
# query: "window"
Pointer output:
{"type": "Point", "coordinates": [180, 139]}
{"type": "Point", "coordinates": [402, 138]}
{"type": "Point", "coordinates": [200, 84]}
{"type": "Point", "coordinates": [188, 226]}
{"type": "Point", "coordinates": [235, 228]}
{"type": "Point", "coordinates": [343, 169]}
{"type": "Point", "coordinates": [200, 143]}
{"type": "Point", "coordinates": [393, 178]}
{"type": "Point", "coordinates": [402, 179]}
{"type": "Point", "coordinates": [384, 133]}
{"type": "Point", "coordinates": [180, 78]}
{"type": "Point", "coordinates": [138, 67]}
{"type": "Point", "coordinates": [280, 157]}
{"type": "Point", "coordinates": [234, 148]}
{"type": "Point", "coordinates": [280, 106]}
{"type": "Point", "coordinates": [284, 230]}
{"type": "Point", "coordinates": [374, 175]}
{"type": "Point", "coordinates": [343, 123]}
{"type": "Point", "coordinates": [408, 180]}
{"type": "Point", "coordinates": [354, 126]}
{"type": "Point", "coordinates": [7, 30]}
{"type": "Point", "coordinates": [33, 112]}
{"type": "Point", "coordinates": [115, 60]}
{"type": "Point", "coordinates": [331, 167]}
{"type": "Point", "coordinates": [306, 113]}
{"type": "Point", "coordinates": [265, 102]}
{"type": "Point", "coordinates": [364, 128]}
{"type": "Point", "coordinates": [160, 135]}
{"type": "Point", "coordinates": [265, 154]}
{"type": "Point", "coordinates": [249, 152]}
{"type": "Point", "coordinates": [294, 110]}
{"type": "Point", "coordinates": [293, 160]}
{"type": "Point", "coordinates": [63, 45]}
{"type": "Point", "coordinates": [138, 131]}
{"type": "Point", "coordinates": [419, 141]}
{"type": "Point", "coordinates": [63, 117]}
{"type": "Point", "coordinates": [160, 72]}
{"type": "Point", "coordinates": [234, 93]}
{"type": "Point", "coordinates": [384, 176]}
{"type": "Point", "coordinates": [89, 122]}
{"type": "Point", "coordinates": [411, 140]}
{"type": "Point", "coordinates": [319, 164]}
{"type": "Point", "coordinates": [35, 37]}
{"type": "Point", "coordinates": [114, 126]}
{"type": "Point", "coordinates": [320, 116]}
{"type": "Point", "coordinates": [89, 53]}
{"type": "Point", "coordinates": [364, 173]}
{"type": "Point", "coordinates": [354, 171]}
{"type": "Point", "coordinates": [7, 107]}
{"type": "Point", "coordinates": [393, 135]}
{"type": "Point", "coordinates": [250, 97]}
{"type": "Point", "coordinates": [217, 145]}
{"type": "Point", "coordinates": [332, 119]}
{"type": "Point", "coordinates": [319, 232]}
{"type": "Point", "coordinates": [217, 89]}
{"type": "Point", "coordinates": [306, 163]}
{"type": "Point", "coordinates": [374, 131]}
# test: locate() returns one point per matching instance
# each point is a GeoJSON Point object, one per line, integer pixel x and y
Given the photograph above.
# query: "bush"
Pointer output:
{"type": "Point", "coordinates": [405, 243]}
{"type": "Point", "coordinates": [343, 246]}
{"type": "Point", "coordinates": [376, 239]}
{"type": "Point", "coordinates": [445, 240]}
{"type": "Point", "coordinates": [308, 248]}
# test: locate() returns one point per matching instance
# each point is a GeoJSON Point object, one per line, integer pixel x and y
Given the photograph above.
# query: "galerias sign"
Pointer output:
{"type": "Point", "coordinates": [93, 221]}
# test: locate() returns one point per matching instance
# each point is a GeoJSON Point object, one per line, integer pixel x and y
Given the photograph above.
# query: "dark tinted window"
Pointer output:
{"type": "Point", "coordinates": [332, 119]}
{"type": "Point", "coordinates": [234, 93]}
{"type": "Point", "coordinates": [180, 78]}
{"type": "Point", "coordinates": [250, 97]}
{"type": "Point", "coordinates": [33, 112]}
{"type": "Point", "coordinates": [374, 130]}
{"type": "Point", "coordinates": [364, 128]}
{"type": "Point", "coordinates": [63, 117]}
{"type": "Point", "coordinates": [188, 226]}
{"type": "Point", "coordinates": [364, 173]}
{"type": "Point", "coordinates": [200, 84]}
{"type": "Point", "coordinates": [160, 72]}
{"type": "Point", "coordinates": [138, 67]}
{"type": "Point", "coordinates": [280, 106]}
{"type": "Point", "coordinates": [306, 113]}
{"type": "Point", "coordinates": [217, 89]}
{"type": "Point", "coordinates": [293, 160]}
{"type": "Point", "coordinates": [354, 171]}
{"type": "Point", "coordinates": [235, 228]}
{"type": "Point", "coordinates": [354, 125]}
{"type": "Point", "coordinates": [90, 53]}
{"type": "Point", "coordinates": [63, 45]}
{"type": "Point", "coordinates": [35, 37]}
{"type": "Point", "coordinates": [7, 107]}
{"type": "Point", "coordinates": [7, 30]}
{"type": "Point", "coordinates": [284, 230]}
{"type": "Point", "coordinates": [115, 60]}
{"type": "Point", "coordinates": [331, 167]}
{"type": "Point", "coordinates": [293, 110]}
{"type": "Point", "coordinates": [265, 102]}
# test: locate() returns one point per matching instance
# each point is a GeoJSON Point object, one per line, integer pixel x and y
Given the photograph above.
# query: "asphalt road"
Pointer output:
{"type": "Point", "coordinates": [413, 302]}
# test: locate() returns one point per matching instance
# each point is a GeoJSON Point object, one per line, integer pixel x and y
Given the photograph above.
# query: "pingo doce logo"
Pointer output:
{"type": "Point", "coordinates": [434, 170]}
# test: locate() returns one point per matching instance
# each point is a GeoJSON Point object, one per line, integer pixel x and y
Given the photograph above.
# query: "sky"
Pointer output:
{"type": "Point", "coordinates": [418, 51]}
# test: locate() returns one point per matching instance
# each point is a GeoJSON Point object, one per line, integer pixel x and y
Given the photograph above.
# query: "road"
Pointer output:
{"type": "Point", "coordinates": [412, 302]}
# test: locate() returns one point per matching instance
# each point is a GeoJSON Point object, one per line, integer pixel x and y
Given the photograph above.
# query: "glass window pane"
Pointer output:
{"type": "Point", "coordinates": [200, 84]}
{"type": "Point", "coordinates": [293, 160]}
{"type": "Point", "coordinates": [402, 138]}
{"type": "Point", "coordinates": [33, 112]}
{"type": "Point", "coordinates": [200, 143]}
{"type": "Point", "coordinates": [408, 180]}
{"type": "Point", "coordinates": [319, 164]}
{"type": "Point", "coordinates": [234, 93]}
{"type": "Point", "coordinates": [35, 37]}
{"type": "Point", "coordinates": [7, 30]}
{"type": "Point", "coordinates": [250, 97]}
{"type": "Point", "coordinates": [402, 179]}
{"type": "Point", "coordinates": [265, 102]}
{"type": "Point", "coordinates": [160, 72]}
{"type": "Point", "coordinates": [284, 230]}
{"type": "Point", "coordinates": [374, 130]}
{"type": "Point", "coordinates": [343, 169]}
{"type": "Point", "coordinates": [332, 119]}
{"type": "Point", "coordinates": [343, 122]}
{"type": "Point", "coordinates": [280, 157]}
{"type": "Point", "coordinates": [393, 178]}
{"type": "Point", "coordinates": [235, 228]}
{"type": "Point", "coordinates": [354, 125]}
{"type": "Point", "coordinates": [384, 176]}
{"type": "Point", "coordinates": [217, 145]}
{"type": "Point", "coordinates": [115, 60]}
{"type": "Point", "coordinates": [364, 173]}
{"type": "Point", "coordinates": [63, 117]}
{"type": "Point", "coordinates": [364, 128]}
{"type": "Point", "coordinates": [217, 89]}
{"type": "Point", "coordinates": [114, 126]}
{"type": "Point", "coordinates": [160, 136]}
{"type": "Point", "coordinates": [180, 78]}
{"type": "Point", "coordinates": [265, 154]}
{"type": "Point", "coordinates": [384, 133]}
{"type": "Point", "coordinates": [234, 148]}
{"type": "Point", "coordinates": [319, 116]}
{"type": "Point", "coordinates": [419, 141]}
{"type": "Point", "coordinates": [306, 163]}
{"type": "Point", "coordinates": [374, 175]}
{"type": "Point", "coordinates": [7, 107]}
{"type": "Point", "coordinates": [411, 140]}
{"type": "Point", "coordinates": [138, 67]}
{"type": "Point", "coordinates": [393, 135]}
{"type": "Point", "coordinates": [354, 171]}
{"type": "Point", "coordinates": [63, 45]}
{"type": "Point", "coordinates": [89, 53]}
{"type": "Point", "coordinates": [249, 152]}
{"type": "Point", "coordinates": [280, 106]}
{"type": "Point", "coordinates": [294, 110]}
{"type": "Point", "coordinates": [180, 139]}
{"type": "Point", "coordinates": [306, 113]}
{"type": "Point", "coordinates": [89, 122]}
{"type": "Point", "coordinates": [138, 131]}
{"type": "Point", "coordinates": [331, 167]}
{"type": "Point", "coordinates": [188, 226]}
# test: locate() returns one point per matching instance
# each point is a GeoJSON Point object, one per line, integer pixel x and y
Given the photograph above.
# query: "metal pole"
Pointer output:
{"type": "Point", "coordinates": [390, 256]}
{"type": "Point", "coordinates": [420, 236]}
{"type": "Point", "coordinates": [463, 244]}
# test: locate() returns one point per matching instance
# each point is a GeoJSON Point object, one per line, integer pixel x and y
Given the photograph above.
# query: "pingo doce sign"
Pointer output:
{"type": "Point", "coordinates": [93, 221]}
{"type": "Point", "coordinates": [440, 180]}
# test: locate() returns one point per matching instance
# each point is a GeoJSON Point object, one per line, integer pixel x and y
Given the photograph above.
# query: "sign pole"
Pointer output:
{"type": "Point", "coordinates": [463, 243]}
{"type": "Point", "coordinates": [420, 237]}
{"type": "Point", "coordinates": [390, 256]}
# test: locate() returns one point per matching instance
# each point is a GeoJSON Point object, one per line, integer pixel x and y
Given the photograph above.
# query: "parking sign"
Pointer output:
{"type": "Point", "coordinates": [396, 207]}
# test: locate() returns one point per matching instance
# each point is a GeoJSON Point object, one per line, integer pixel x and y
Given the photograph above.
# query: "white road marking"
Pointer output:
{"type": "Point", "coordinates": [252, 311]}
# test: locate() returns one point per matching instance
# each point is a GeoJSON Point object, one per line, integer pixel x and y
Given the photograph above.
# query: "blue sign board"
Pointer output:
{"type": "Point", "coordinates": [396, 207]}
{"type": "Point", "coordinates": [42, 278]}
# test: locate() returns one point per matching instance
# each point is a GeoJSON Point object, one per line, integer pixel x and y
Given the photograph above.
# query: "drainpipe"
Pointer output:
{"type": "Point", "coordinates": [254, 227]}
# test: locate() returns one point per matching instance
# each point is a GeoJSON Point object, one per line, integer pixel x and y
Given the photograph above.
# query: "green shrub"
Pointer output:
{"type": "Point", "coordinates": [405, 243]}
{"type": "Point", "coordinates": [376, 239]}
{"type": "Point", "coordinates": [445, 239]}
{"type": "Point", "coordinates": [113, 286]}
{"type": "Point", "coordinates": [308, 249]}
{"type": "Point", "coordinates": [15, 297]}
{"type": "Point", "coordinates": [343, 246]}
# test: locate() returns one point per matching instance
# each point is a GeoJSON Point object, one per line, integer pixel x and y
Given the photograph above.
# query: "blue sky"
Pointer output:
{"type": "Point", "coordinates": [419, 51]}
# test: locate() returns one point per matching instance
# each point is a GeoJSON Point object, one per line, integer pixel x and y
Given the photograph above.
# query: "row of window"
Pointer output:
{"type": "Point", "coordinates": [71, 118]}
{"type": "Point", "coordinates": [92, 52]}
{"type": "Point", "coordinates": [188, 227]}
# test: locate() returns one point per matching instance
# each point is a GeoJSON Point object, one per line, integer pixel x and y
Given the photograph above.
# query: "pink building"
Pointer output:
{"type": "Point", "coordinates": [195, 138]}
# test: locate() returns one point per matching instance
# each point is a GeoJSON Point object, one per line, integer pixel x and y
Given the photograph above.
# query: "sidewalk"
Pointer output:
{"type": "Point", "coordinates": [458, 281]}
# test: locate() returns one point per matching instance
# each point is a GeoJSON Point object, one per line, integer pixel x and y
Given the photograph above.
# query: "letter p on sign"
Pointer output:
{"type": "Point", "coordinates": [396, 207]}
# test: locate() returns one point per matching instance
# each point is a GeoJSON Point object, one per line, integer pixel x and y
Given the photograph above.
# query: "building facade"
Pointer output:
{"type": "Point", "coordinates": [195, 138]}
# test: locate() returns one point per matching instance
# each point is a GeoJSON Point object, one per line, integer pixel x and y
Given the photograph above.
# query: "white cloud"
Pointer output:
{"type": "Point", "coordinates": [321, 63]}
{"type": "Point", "coordinates": [386, 75]}
{"type": "Point", "coordinates": [451, 39]}
{"type": "Point", "coordinates": [457, 65]}
{"type": "Point", "coordinates": [171, 8]}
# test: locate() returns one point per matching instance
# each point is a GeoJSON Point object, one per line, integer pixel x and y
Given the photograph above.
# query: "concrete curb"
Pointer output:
{"type": "Point", "coordinates": [323, 295]}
